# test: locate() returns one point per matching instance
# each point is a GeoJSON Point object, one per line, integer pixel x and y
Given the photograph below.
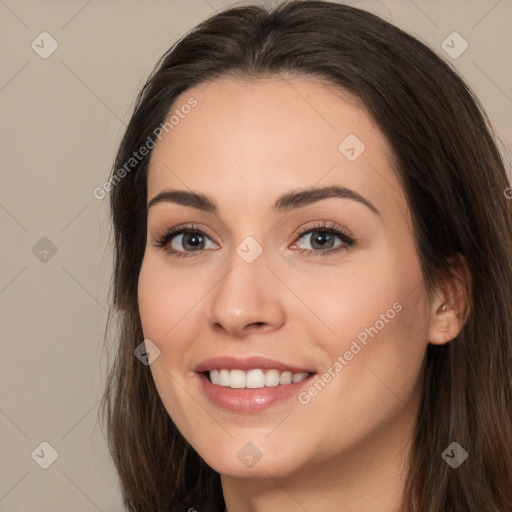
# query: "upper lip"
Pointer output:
{"type": "Point", "coordinates": [247, 363]}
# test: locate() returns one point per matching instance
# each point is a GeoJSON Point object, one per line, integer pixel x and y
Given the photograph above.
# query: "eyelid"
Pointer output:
{"type": "Point", "coordinates": [341, 231]}
{"type": "Point", "coordinates": [180, 228]}
{"type": "Point", "coordinates": [166, 236]}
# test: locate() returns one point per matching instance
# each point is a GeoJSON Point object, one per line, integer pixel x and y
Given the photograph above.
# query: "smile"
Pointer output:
{"type": "Point", "coordinates": [254, 378]}
{"type": "Point", "coordinates": [250, 384]}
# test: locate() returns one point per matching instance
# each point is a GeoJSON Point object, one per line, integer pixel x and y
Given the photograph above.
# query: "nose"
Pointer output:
{"type": "Point", "coordinates": [246, 300]}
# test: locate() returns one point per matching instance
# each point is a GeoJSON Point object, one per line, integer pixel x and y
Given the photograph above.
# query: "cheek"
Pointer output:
{"type": "Point", "coordinates": [171, 308]}
{"type": "Point", "coordinates": [367, 295]}
{"type": "Point", "coordinates": [373, 365]}
{"type": "Point", "coordinates": [164, 299]}
{"type": "Point", "coordinates": [377, 317]}
{"type": "Point", "coordinates": [163, 312]}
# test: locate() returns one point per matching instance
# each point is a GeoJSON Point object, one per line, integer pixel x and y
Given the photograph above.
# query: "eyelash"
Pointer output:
{"type": "Point", "coordinates": [162, 241]}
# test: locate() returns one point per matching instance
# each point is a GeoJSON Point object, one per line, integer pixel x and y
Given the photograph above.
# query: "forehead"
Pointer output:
{"type": "Point", "coordinates": [253, 140]}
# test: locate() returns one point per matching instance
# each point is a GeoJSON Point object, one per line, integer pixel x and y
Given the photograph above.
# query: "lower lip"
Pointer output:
{"type": "Point", "coordinates": [249, 400]}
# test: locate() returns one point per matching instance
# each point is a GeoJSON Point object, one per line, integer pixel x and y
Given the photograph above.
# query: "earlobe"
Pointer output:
{"type": "Point", "coordinates": [445, 323]}
{"type": "Point", "coordinates": [450, 309]}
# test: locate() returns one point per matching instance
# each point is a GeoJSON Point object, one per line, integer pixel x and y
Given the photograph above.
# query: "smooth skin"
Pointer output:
{"type": "Point", "coordinates": [245, 144]}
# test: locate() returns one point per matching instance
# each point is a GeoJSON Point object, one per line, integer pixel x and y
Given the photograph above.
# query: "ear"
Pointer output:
{"type": "Point", "coordinates": [451, 303]}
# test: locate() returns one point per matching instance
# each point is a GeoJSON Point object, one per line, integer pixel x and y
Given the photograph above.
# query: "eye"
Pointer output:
{"type": "Point", "coordinates": [324, 239]}
{"type": "Point", "coordinates": [183, 241]}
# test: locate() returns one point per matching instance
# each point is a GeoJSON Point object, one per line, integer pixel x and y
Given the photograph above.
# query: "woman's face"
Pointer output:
{"type": "Point", "coordinates": [277, 279]}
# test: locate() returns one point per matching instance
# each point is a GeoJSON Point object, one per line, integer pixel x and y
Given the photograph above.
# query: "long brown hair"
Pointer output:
{"type": "Point", "coordinates": [454, 179]}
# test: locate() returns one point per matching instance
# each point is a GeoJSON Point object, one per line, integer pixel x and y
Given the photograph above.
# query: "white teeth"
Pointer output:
{"type": "Point", "coordinates": [272, 378]}
{"type": "Point", "coordinates": [237, 379]}
{"type": "Point", "coordinates": [254, 379]}
{"type": "Point", "coordinates": [214, 376]}
{"type": "Point", "coordinates": [223, 378]}
{"type": "Point", "coordinates": [286, 378]}
{"type": "Point", "coordinates": [299, 377]}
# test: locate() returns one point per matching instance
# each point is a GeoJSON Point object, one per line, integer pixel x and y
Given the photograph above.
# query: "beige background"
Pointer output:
{"type": "Point", "coordinates": [61, 120]}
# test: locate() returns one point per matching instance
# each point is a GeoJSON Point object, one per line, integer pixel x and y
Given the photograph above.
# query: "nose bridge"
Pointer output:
{"type": "Point", "coordinates": [245, 297]}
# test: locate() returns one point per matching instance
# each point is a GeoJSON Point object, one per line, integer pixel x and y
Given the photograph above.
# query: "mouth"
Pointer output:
{"type": "Point", "coordinates": [250, 385]}
{"type": "Point", "coordinates": [256, 378]}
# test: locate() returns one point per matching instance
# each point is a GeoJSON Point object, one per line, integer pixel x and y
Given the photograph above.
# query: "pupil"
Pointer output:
{"type": "Point", "coordinates": [193, 240]}
{"type": "Point", "coordinates": [323, 238]}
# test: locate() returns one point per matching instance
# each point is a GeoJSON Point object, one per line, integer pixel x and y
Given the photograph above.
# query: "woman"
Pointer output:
{"type": "Point", "coordinates": [313, 249]}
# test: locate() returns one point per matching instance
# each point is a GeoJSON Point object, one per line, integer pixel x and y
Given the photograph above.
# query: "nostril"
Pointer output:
{"type": "Point", "coordinates": [256, 324]}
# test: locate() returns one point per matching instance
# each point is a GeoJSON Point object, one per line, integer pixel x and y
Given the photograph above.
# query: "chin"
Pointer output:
{"type": "Point", "coordinates": [253, 459]}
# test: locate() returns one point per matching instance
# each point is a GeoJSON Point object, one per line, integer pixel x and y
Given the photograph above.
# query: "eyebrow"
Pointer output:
{"type": "Point", "coordinates": [286, 202]}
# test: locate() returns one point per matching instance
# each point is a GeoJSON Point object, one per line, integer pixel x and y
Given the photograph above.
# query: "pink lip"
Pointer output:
{"type": "Point", "coordinates": [248, 363]}
{"type": "Point", "coordinates": [249, 400]}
